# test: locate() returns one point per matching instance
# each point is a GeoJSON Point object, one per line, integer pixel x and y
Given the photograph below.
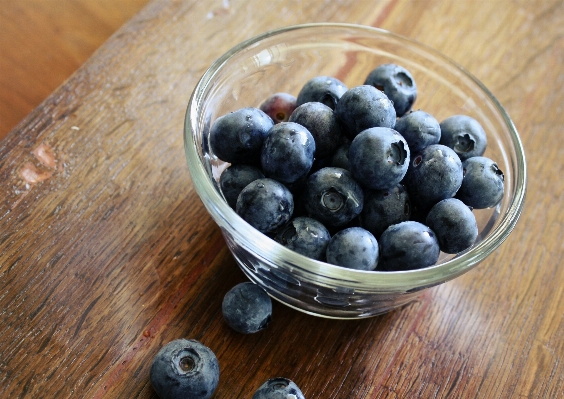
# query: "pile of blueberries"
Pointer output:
{"type": "Point", "coordinates": [351, 177]}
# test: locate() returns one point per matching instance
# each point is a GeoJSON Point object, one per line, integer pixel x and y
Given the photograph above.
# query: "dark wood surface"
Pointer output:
{"type": "Point", "coordinates": [106, 252]}
{"type": "Point", "coordinates": [42, 42]}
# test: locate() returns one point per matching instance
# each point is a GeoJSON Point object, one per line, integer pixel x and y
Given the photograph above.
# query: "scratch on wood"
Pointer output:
{"type": "Point", "coordinates": [45, 155]}
{"type": "Point", "coordinates": [31, 174]}
{"type": "Point", "coordinates": [83, 317]}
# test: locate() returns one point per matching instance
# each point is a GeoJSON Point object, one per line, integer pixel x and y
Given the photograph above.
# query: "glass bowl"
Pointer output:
{"type": "Point", "coordinates": [283, 60]}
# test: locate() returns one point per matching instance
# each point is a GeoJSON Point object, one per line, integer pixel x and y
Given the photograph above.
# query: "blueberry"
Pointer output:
{"type": "Point", "coordinates": [363, 107]}
{"type": "Point", "coordinates": [333, 197]}
{"type": "Point", "coordinates": [354, 248]}
{"type": "Point", "coordinates": [379, 158]}
{"type": "Point", "coordinates": [464, 135]}
{"type": "Point", "coordinates": [335, 229]}
{"type": "Point", "coordinates": [247, 308]}
{"type": "Point", "coordinates": [235, 178]}
{"type": "Point", "coordinates": [382, 208]}
{"type": "Point", "coordinates": [482, 185]}
{"type": "Point", "coordinates": [320, 163]}
{"type": "Point", "coordinates": [306, 236]}
{"type": "Point", "coordinates": [238, 136]}
{"type": "Point", "coordinates": [287, 152]}
{"type": "Point", "coordinates": [340, 158]}
{"type": "Point", "coordinates": [279, 106]}
{"type": "Point", "coordinates": [407, 246]}
{"type": "Point", "coordinates": [454, 224]}
{"type": "Point", "coordinates": [419, 129]}
{"type": "Point", "coordinates": [322, 89]}
{"type": "Point", "coordinates": [397, 83]}
{"type": "Point", "coordinates": [435, 173]}
{"type": "Point", "coordinates": [321, 122]}
{"type": "Point", "coordinates": [184, 368]}
{"type": "Point", "coordinates": [265, 204]}
{"type": "Point", "coordinates": [278, 388]}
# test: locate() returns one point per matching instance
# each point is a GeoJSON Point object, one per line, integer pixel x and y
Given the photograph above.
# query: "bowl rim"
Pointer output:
{"type": "Point", "coordinates": [370, 280]}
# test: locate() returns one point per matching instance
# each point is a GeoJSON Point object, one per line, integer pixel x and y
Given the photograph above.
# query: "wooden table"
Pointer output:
{"type": "Point", "coordinates": [106, 252]}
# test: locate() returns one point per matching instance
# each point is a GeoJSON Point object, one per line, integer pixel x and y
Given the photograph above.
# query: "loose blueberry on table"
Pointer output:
{"type": "Point", "coordinates": [247, 308]}
{"type": "Point", "coordinates": [278, 388]}
{"type": "Point", "coordinates": [184, 368]}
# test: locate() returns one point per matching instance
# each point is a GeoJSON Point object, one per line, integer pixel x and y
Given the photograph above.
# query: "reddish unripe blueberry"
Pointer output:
{"type": "Point", "coordinates": [279, 106]}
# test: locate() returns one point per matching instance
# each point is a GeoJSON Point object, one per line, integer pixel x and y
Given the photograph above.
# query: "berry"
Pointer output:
{"type": "Point", "coordinates": [306, 236]}
{"type": "Point", "coordinates": [278, 388]}
{"type": "Point", "coordinates": [454, 224]}
{"type": "Point", "coordinates": [247, 308]}
{"type": "Point", "coordinates": [379, 158]}
{"type": "Point", "coordinates": [287, 152]}
{"type": "Point", "coordinates": [321, 122]}
{"type": "Point", "coordinates": [464, 135]}
{"type": "Point", "coordinates": [397, 83]}
{"type": "Point", "coordinates": [354, 248]}
{"type": "Point", "coordinates": [419, 129]}
{"type": "Point", "coordinates": [333, 197]}
{"type": "Point", "coordinates": [279, 106]}
{"type": "Point", "coordinates": [341, 157]}
{"type": "Point", "coordinates": [184, 368]}
{"type": "Point", "coordinates": [407, 246]}
{"type": "Point", "coordinates": [435, 173]}
{"type": "Point", "coordinates": [265, 204]}
{"type": "Point", "coordinates": [322, 89]}
{"type": "Point", "coordinates": [482, 185]}
{"type": "Point", "coordinates": [238, 136]}
{"type": "Point", "coordinates": [363, 107]}
{"type": "Point", "coordinates": [382, 208]}
{"type": "Point", "coordinates": [235, 178]}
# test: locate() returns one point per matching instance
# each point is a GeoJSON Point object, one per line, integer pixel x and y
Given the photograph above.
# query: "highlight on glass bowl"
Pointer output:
{"type": "Point", "coordinates": [350, 168]}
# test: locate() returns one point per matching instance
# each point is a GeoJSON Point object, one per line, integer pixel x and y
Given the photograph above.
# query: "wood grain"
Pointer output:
{"type": "Point", "coordinates": [109, 254]}
{"type": "Point", "coordinates": [42, 42]}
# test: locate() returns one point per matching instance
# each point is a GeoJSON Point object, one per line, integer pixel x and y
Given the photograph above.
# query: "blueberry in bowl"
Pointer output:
{"type": "Point", "coordinates": [284, 61]}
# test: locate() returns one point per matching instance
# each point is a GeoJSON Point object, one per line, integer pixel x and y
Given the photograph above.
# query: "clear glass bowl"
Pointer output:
{"type": "Point", "coordinates": [282, 61]}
